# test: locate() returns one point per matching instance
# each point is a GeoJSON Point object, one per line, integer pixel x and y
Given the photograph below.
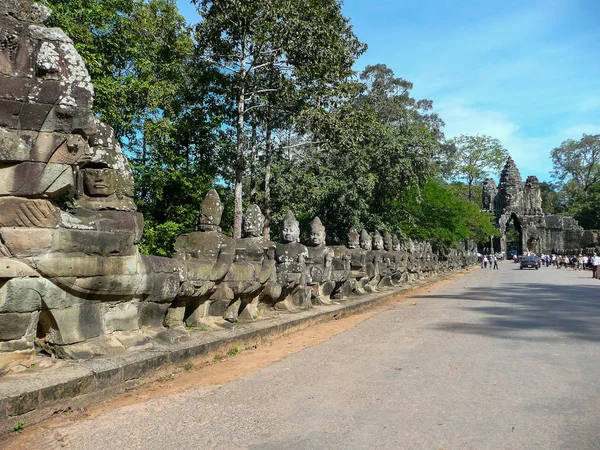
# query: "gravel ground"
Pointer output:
{"type": "Point", "coordinates": [504, 359]}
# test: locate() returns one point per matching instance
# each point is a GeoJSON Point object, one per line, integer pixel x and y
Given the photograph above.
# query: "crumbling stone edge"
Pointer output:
{"type": "Point", "coordinates": [78, 384]}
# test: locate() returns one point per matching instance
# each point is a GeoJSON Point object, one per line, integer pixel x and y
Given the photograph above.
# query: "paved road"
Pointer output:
{"type": "Point", "coordinates": [504, 359]}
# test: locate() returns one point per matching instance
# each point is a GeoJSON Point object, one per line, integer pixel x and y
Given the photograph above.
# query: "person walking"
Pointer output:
{"type": "Point", "coordinates": [496, 262]}
{"type": "Point", "coordinates": [595, 264]}
{"type": "Point", "coordinates": [585, 262]}
{"type": "Point", "coordinates": [484, 262]}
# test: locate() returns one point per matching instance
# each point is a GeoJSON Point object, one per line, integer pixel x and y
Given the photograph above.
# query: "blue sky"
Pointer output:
{"type": "Point", "coordinates": [525, 72]}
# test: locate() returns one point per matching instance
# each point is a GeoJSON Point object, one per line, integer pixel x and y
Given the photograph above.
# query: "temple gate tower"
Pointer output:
{"type": "Point", "coordinates": [520, 204]}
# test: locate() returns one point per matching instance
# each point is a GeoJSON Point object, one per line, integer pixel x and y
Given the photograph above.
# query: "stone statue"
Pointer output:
{"type": "Point", "coordinates": [252, 277]}
{"type": "Point", "coordinates": [319, 265]}
{"type": "Point", "coordinates": [207, 255]}
{"type": "Point", "coordinates": [290, 257]}
{"type": "Point", "coordinates": [372, 278]}
{"type": "Point", "coordinates": [388, 265]}
{"type": "Point", "coordinates": [358, 262]}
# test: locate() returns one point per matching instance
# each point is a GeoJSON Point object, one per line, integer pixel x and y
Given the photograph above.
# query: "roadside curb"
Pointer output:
{"type": "Point", "coordinates": [72, 385]}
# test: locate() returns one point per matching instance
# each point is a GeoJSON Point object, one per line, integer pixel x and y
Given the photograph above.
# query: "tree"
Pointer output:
{"type": "Point", "coordinates": [577, 163]}
{"type": "Point", "coordinates": [553, 199]}
{"type": "Point", "coordinates": [310, 41]}
{"type": "Point", "coordinates": [472, 158]}
{"type": "Point", "coordinates": [369, 149]}
{"type": "Point", "coordinates": [162, 101]}
{"type": "Point", "coordinates": [440, 215]}
{"type": "Point", "coordinates": [136, 52]}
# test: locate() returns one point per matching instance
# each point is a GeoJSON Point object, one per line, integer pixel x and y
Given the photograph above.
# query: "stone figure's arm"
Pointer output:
{"type": "Point", "coordinates": [37, 213]}
{"type": "Point", "coordinates": [224, 262]}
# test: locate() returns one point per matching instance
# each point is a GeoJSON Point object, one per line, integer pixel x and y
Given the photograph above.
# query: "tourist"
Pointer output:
{"type": "Point", "coordinates": [585, 262]}
{"type": "Point", "coordinates": [485, 262]}
{"type": "Point", "coordinates": [595, 264]}
{"type": "Point", "coordinates": [496, 262]}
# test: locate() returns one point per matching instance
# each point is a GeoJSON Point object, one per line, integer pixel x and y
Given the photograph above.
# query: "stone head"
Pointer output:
{"type": "Point", "coordinates": [317, 233]}
{"type": "Point", "coordinates": [291, 228]}
{"type": "Point", "coordinates": [396, 246]}
{"type": "Point", "coordinates": [377, 241]}
{"type": "Point", "coordinates": [211, 211]}
{"type": "Point", "coordinates": [387, 241]}
{"type": "Point", "coordinates": [365, 240]}
{"type": "Point", "coordinates": [99, 181]}
{"type": "Point", "coordinates": [353, 238]}
{"type": "Point", "coordinates": [254, 221]}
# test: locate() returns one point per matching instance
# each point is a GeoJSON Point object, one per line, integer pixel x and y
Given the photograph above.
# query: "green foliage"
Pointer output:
{"type": "Point", "coordinates": [270, 83]}
{"type": "Point", "coordinates": [472, 158]}
{"type": "Point", "coordinates": [363, 157]}
{"type": "Point", "coordinates": [553, 199]}
{"type": "Point", "coordinates": [443, 217]}
{"type": "Point", "coordinates": [577, 171]}
{"type": "Point", "coordinates": [577, 163]}
{"type": "Point", "coordinates": [19, 427]}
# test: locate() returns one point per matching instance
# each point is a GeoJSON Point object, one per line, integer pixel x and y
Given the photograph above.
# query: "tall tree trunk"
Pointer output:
{"type": "Point", "coordinates": [470, 185]}
{"type": "Point", "coordinates": [239, 159]}
{"type": "Point", "coordinates": [267, 204]}
{"type": "Point", "coordinates": [253, 158]}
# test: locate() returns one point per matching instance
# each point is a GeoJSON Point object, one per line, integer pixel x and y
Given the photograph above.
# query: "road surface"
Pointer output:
{"type": "Point", "coordinates": [506, 359]}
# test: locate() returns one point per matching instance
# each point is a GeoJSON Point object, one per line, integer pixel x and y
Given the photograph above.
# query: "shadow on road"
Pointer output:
{"type": "Point", "coordinates": [572, 311]}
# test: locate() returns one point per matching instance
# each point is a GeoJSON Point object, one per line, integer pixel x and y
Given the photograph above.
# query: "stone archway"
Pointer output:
{"type": "Point", "coordinates": [506, 242]}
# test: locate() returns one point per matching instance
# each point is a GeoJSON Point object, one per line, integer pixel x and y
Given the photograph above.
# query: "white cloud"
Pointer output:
{"type": "Point", "coordinates": [531, 154]}
{"type": "Point", "coordinates": [576, 131]}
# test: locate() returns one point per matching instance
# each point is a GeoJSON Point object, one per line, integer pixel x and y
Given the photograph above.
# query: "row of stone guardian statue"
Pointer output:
{"type": "Point", "coordinates": [72, 280]}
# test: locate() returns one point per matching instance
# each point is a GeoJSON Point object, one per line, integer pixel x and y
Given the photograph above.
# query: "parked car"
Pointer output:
{"type": "Point", "coordinates": [530, 262]}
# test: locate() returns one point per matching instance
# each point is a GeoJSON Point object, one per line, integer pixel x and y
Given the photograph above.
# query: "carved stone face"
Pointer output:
{"type": "Point", "coordinates": [353, 239]}
{"type": "Point", "coordinates": [377, 242]}
{"type": "Point", "coordinates": [290, 232]}
{"type": "Point", "coordinates": [396, 243]}
{"type": "Point", "coordinates": [254, 222]}
{"type": "Point", "coordinates": [387, 241]}
{"type": "Point", "coordinates": [99, 182]}
{"type": "Point", "coordinates": [317, 237]}
{"type": "Point", "coordinates": [365, 240]}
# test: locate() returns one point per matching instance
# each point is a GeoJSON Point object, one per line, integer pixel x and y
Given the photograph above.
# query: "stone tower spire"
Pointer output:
{"type": "Point", "coordinates": [511, 186]}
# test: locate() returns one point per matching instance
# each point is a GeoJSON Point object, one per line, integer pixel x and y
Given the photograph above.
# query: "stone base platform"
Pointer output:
{"type": "Point", "coordinates": [36, 394]}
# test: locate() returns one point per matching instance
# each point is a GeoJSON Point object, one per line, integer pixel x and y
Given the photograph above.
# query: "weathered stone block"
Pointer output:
{"type": "Point", "coordinates": [49, 92]}
{"type": "Point", "coordinates": [25, 242]}
{"type": "Point", "coordinates": [12, 147]}
{"type": "Point", "coordinates": [12, 268]}
{"type": "Point", "coordinates": [14, 88]}
{"type": "Point", "coordinates": [121, 316]}
{"type": "Point", "coordinates": [9, 113]}
{"type": "Point", "coordinates": [33, 115]}
{"type": "Point", "coordinates": [69, 120]}
{"type": "Point", "coordinates": [61, 265]}
{"type": "Point", "coordinates": [16, 325]}
{"type": "Point", "coordinates": [152, 314]}
{"type": "Point", "coordinates": [20, 295]}
{"type": "Point", "coordinates": [36, 179]}
{"type": "Point", "coordinates": [91, 242]}
{"type": "Point", "coordinates": [15, 358]}
{"type": "Point", "coordinates": [105, 346]}
{"type": "Point", "coordinates": [72, 325]}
